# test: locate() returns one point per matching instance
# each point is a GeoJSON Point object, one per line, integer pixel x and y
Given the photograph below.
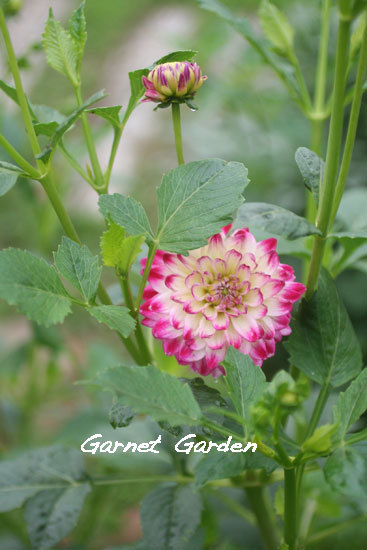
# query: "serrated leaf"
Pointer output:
{"type": "Point", "coordinates": [62, 51]}
{"type": "Point", "coordinates": [47, 120]}
{"type": "Point", "coordinates": [78, 30]}
{"type": "Point", "coordinates": [126, 212]}
{"type": "Point", "coordinates": [76, 263]}
{"type": "Point", "coordinates": [45, 128]}
{"type": "Point", "coordinates": [196, 200]}
{"type": "Point", "coordinates": [351, 404]}
{"type": "Point", "coordinates": [276, 27]}
{"type": "Point", "coordinates": [150, 391]}
{"type": "Point", "coordinates": [323, 344]}
{"type": "Point", "coordinates": [51, 515]}
{"type": "Point", "coordinates": [312, 169]}
{"type": "Point", "coordinates": [246, 383]}
{"type": "Point", "coordinates": [48, 468]}
{"type": "Point", "coordinates": [170, 516]}
{"type": "Point", "coordinates": [68, 122]}
{"type": "Point", "coordinates": [120, 416]}
{"type": "Point", "coordinates": [120, 251]}
{"type": "Point", "coordinates": [33, 285]}
{"type": "Point", "coordinates": [8, 176]}
{"type": "Point", "coordinates": [242, 25]}
{"type": "Point", "coordinates": [111, 114]}
{"type": "Point", "coordinates": [219, 465]}
{"type": "Point", "coordinates": [346, 472]}
{"type": "Point", "coordinates": [115, 317]}
{"type": "Point", "coordinates": [275, 219]}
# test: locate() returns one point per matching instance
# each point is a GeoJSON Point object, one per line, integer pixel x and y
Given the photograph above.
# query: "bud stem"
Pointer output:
{"type": "Point", "coordinates": [176, 118]}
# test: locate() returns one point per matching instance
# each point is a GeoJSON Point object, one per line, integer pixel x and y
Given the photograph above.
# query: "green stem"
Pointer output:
{"type": "Point", "coordinates": [139, 335]}
{"type": "Point", "coordinates": [356, 437]}
{"type": "Point", "coordinates": [261, 507]}
{"type": "Point", "coordinates": [332, 155]}
{"type": "Point", "coordinates": [99, 179]}
{"type": "Point", "coordinates": [25, 165]}
{"type": "Point", "coordinates": [290, 508]}
{"type": "Point", "coordinates": [176, 118]}
{"type": "Point", "coordinates": [22, 99]}
{"type": "Point", "coordinates": [74, 163]}
{"type": "Point", "coordinates": [352, 128]}
{"type": "Point", "coordinates": [315, 417]}
{"type": "Point", "coordinates": [116, 141]}
{"type": "Point", "coordinates": [148, 265]}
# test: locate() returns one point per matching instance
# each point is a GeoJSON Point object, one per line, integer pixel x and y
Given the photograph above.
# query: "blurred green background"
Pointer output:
{"type": "Point", "coordinates": [244, 114]}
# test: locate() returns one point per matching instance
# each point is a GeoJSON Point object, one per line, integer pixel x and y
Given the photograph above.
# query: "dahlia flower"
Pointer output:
{"type": "Point", "coordinates": [231, 292]}
{"type": "Point", "coordinates": [177, 80]}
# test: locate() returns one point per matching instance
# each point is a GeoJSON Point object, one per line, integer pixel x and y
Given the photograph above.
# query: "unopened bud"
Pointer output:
{"type": "Point", "coordinates": [177, 81]}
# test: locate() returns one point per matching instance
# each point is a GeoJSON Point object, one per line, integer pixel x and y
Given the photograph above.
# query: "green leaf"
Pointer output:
{"type": "Point", "coordinates": [243, 26]}
{"type": "Point", "coordinates": [76, 263]}
{"type": "Point", "coordinates": [167, 399]}
{"type": "Point", "coordinates": [78, 30]}
{"type": "Point", "coordinates": [276, 27]}
{"type": "Point", "coordinates": [246, 383]}
{"type": "Point", "coordinates": [179, 55]}
{"type": "Point", "coordinates": [11, 92]}
{"type": "Point", "coordinates": [48, 468]}
{"type": "Point", "coordinates": [170, 516]}
{"type": "Point", "coordinates": [352, 215]}
{"type": "Point", "coordinates": [320, 440]}
{"type": "Point", "coordinates": [126, 212]}
{"type": "Point", "coordinates": [47, 121]}
{"type": "Point", "coordinates": [312, 169]}
{"type": "Point", "coordinates": [120, 416]}
{"type": "Point", "coordinates": [31, 284]}
{"type": "Point", "coordinates": [351, 404]}
{"type": "Point", "coordinates": [8, 176]}
{"type": "Point", "coordinates": [111, 114]}
{"type": "Point", "coordinates": [51, 515]}
{"type": "Point", "coordinates": [68, 122]}
{"type": "Point", "coordinates": [274, 219]}
{"type": "Point", "coordinates": [219, 465]}
{"type": "Point", "coordinates": [323, 344]}
{"type": "Point", "coordinates": [346, 472]}
{"type": "Point", "coordinates": [62, 51]}
{"type": "Point", "coordinates": [115, 317]}
{"type": "Point", "coordinates": [120, 251]}
{"type": "Point", "coordinates": [196, 200]}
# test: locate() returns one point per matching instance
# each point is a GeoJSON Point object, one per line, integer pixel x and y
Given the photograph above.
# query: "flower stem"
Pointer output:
{"type": "Point", "coordinates": [98, 175]}
{"type": "Point", "coordinates": [332, 156]}
{"type": "Point", "coordinates": [148, 265]}
{"type": "Point", "coordinates": [352, 127]}
{"type": "Point", "coordinates": [261, 507]}
{"type": "Point", "coordinates": [176, 118]}
{"type": "Point", "coordinates": [116, 141]}
{"type": "Point", "coordinates": [290, 508]}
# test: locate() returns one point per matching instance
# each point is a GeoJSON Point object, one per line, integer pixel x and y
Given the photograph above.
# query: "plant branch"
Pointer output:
{"type": "Point", "coordinates": [352, 128]}
{"type": "Point", "coordinates": [332, 156]}
{"type": "Point", "coordinates": [290, 508]}
{"type": "Point", "coordinates": [176, 118]}
{"type": "Point", "coordinates": [25, 165]}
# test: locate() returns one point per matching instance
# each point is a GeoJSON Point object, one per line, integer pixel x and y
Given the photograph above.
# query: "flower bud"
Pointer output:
{"type": "Point", "coordinates": [177, 81]}
{"type": "Point", "coordinates": [11, 7]}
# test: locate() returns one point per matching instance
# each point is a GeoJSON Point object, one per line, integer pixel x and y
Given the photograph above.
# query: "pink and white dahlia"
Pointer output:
{"type": "Point", "coordinates": [178, 80]}
{"type": "Point", "coordinates": [231, 292]}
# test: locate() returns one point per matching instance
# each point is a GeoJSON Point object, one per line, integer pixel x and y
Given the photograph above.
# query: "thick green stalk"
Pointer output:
{"type": "Point", "coordinates": [290, 508]}
{"type": "Point", "coordinates": [176, 118]}
{"type": "Point", "coordinates": [352, 128]}
{"type": "Point", "coordinates": [98, 175]}
{"type": "Point", "coordinates": [262, 510]}
{"type": "Point", "coordinates": [332, 155]}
